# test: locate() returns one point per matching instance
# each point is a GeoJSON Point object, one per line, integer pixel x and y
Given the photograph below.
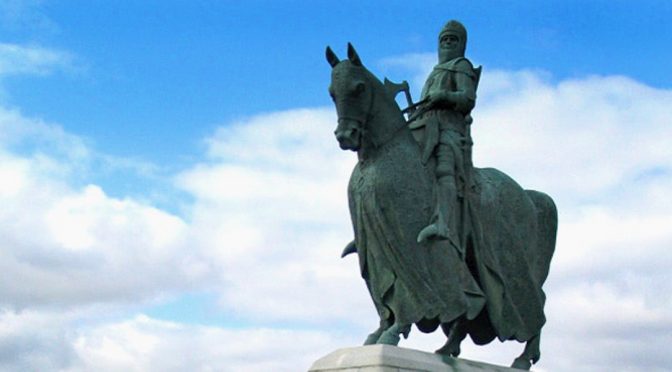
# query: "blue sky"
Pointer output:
{"type": "Point", "coordinates": [155, 76]}
{"type": "Point", "coordinates": [170, 180]}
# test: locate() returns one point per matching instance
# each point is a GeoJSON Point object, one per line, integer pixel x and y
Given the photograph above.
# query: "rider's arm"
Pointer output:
{"type": "Point", "coordinates": [463, 98]}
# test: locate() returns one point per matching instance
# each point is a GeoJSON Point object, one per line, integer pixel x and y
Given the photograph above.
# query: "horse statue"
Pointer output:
{"type": "Point", "coordinates": [491, 287]}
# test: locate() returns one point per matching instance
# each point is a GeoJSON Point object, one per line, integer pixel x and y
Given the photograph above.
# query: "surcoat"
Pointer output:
{"type": "Point", "coordinates": [447, 124]}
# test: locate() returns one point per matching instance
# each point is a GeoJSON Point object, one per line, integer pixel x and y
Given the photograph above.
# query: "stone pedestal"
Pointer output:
{"type": "Point", "coordinates": [385, 358]}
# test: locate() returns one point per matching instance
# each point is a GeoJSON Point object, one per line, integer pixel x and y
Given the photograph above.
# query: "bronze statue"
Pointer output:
{"type": "Point", "coordinates": [481, 272]}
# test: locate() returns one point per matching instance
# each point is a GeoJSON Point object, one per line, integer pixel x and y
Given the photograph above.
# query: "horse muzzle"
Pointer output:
{"type": "Point", "coordinates": [348, 135]}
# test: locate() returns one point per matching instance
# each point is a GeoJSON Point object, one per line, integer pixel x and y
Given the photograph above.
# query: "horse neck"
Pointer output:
{"type": "Point", "coordinates": [385, 121]}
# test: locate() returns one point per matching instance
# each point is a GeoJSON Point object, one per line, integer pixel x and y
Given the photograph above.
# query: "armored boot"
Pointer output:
{"type": "Point", "coordinates": [444, 221]}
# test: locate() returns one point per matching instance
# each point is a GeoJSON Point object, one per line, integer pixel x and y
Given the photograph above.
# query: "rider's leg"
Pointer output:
{"type": "Point", "coordinates": [444, 221]}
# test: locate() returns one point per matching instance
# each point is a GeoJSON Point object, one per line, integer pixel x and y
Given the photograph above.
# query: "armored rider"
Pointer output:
{"type": "Point", "coordinates": [441, 126]}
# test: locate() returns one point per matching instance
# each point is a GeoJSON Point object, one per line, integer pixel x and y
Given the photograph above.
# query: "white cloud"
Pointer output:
{"type": "Point", "coordinates": [418, 64]}
{"type": "Point", "coordinates": [47, 342]}
{"type": "Point", "coordinates": [64, 244]}
{"type": "Point", "coordinates": [145, 344]}
{"type": "Point", "coordinates": [31, 341]}
{"type": "Point", "coordinates": [80, 246]}
{"type": "Point", "coordinates": [580, 139]}
{"type": "Point", "coordinates": [46, 144]}
{"type": "Point", "coordinates": [18, 59]}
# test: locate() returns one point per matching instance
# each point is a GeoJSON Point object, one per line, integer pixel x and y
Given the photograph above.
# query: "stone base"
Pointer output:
{"type": "Point", "coordinates": [385, 358]}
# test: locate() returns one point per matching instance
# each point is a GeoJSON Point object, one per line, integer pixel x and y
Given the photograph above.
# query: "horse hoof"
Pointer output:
{"type": "Point", "coordinates": [521, 363]}
{"type": "Point", "coordinates": [449, 350]}
{"type": "Point", "coordinates": [372, 339]}
{"type": "Point", "coordinates": [388, 338]}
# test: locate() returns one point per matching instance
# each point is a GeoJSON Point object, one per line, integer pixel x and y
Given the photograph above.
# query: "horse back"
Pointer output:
{"type": "Point", "coordinates": [533, 213]}
{"type": "Point", "coordinates": [547, 225]}
{"type": "Point", "coordinates": [514, 232]}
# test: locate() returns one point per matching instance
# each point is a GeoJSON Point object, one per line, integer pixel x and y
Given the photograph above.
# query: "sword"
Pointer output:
{"type": "Point", "coordinates": [411, 108]}
{"type": "Point", "coordinates": [414, 112]}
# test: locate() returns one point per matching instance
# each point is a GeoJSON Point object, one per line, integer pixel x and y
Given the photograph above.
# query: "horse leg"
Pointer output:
{"type": "Point", "coordinates": [456, 332]}
{"type": "Point", "coordinates": [390, 336]}
{"type": "Point", "coordinates": [530, 355]}
{"type": "Point", "coordinates": [375, 335]}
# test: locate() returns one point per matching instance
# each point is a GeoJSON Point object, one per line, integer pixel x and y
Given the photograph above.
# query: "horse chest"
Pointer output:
{"type": "Point", "coordinates": [374, 180]}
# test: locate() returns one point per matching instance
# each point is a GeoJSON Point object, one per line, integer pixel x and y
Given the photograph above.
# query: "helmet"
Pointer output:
{"type": "Point", "coordinates": [455, 27]}
{"type": "Point", "coordinates": [448, 53]}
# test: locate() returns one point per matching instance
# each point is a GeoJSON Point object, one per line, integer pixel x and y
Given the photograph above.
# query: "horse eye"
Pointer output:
{"type": "Point", "coordinates": [359, 88]}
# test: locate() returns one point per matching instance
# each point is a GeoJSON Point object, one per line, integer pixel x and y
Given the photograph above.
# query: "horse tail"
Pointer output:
{"type": "Point", "coordinates": [547, 229]}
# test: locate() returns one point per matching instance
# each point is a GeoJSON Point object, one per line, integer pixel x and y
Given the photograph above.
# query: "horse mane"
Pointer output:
{"type": "Point", "coordinates": [379, 85]}
{"type": "Point", "coordinates": [391, 111]}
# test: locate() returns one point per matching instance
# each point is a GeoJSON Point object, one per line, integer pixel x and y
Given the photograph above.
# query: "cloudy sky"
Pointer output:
{"type": "Point", "coordinates": [172, 197]}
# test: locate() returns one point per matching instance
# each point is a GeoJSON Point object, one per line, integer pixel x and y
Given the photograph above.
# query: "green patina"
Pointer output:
{"type": "Point", "coordinates": [440, 242]}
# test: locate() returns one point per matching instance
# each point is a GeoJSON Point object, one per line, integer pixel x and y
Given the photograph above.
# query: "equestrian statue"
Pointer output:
{"type": "Point", "coordinates": [440, 242]}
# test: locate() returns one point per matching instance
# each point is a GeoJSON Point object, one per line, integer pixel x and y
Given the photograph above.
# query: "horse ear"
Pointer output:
{"type": "Point", "coordinates": [353, 56]}
{"type": "Point", "coordinates": [331, 57]}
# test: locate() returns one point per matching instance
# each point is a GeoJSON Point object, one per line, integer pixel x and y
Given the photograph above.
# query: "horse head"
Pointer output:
{"type": "Point", "coordinates": [351, 92]}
